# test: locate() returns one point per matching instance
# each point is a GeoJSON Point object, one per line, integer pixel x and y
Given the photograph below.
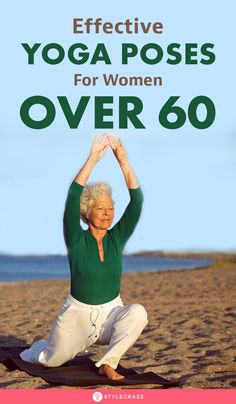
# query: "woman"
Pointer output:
{"type": "Point", "coordinates": [94, 311]}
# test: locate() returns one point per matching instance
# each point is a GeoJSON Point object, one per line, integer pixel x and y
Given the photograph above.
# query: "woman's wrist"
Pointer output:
{"type": "Point", "coordinates": [92, 159]}
{"type": "Point", "coordinates": [124, 164]}
{"type": "Point", "coordinates": [130, 177]}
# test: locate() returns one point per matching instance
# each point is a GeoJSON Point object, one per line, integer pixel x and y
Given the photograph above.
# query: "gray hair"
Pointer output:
{"type": "Point", "coordinates": [90, 194]}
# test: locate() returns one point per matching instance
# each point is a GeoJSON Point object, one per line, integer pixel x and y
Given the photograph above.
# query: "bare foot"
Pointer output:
{"type": "Point", "coordinates": [106, 370]}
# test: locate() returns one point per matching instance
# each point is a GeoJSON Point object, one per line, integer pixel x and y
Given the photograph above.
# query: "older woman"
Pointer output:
{"type": "Point", "coordinates": [93, 312]}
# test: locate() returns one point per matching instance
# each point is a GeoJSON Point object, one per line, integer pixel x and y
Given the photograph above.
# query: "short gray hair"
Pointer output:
{"type": "Point", "coordinates": [90, 194]}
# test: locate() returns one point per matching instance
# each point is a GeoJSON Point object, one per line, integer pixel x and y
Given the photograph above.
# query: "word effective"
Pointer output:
{"type": "Point", "coordinates": [121, 27]}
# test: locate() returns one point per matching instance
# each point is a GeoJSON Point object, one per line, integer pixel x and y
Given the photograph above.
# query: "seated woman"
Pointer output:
{"type": "Point", "coordinates": [93, 312]}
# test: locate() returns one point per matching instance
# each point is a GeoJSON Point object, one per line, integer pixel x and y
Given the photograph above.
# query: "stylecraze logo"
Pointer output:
{"type": "Point", "coordinates": [97, 396]}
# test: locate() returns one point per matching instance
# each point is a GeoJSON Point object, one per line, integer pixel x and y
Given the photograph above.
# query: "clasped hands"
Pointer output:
{"type": "Point", "coordinates": [105, 141]}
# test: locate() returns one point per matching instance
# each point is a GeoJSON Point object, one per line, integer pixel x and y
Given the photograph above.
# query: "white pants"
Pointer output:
{"type": "Point", "coordinates": [80, 325]}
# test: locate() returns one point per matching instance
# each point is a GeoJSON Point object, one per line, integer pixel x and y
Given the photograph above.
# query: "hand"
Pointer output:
{"type": "Point", "coordinates": [118, 150]}
{"type": "Point", "coordinates": [99, 147]}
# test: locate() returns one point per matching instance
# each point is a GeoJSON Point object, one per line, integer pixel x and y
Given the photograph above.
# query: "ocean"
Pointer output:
{"type": "Point", "coordinates": [37, 267]}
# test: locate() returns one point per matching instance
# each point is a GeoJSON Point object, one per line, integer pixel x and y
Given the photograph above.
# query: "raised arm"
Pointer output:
{"type": "Point", "coordinates": [122, 158]}
{"type": "Point", "coordinates": [126, 225]}
{"type": "Point", "coordinates": [71, 220]}
{"type": "Point", "coordinates": [99, 147]}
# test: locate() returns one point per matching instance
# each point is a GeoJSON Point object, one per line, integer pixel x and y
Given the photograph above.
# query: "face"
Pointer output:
{"type": "Point", "coordinates": [101, 213]}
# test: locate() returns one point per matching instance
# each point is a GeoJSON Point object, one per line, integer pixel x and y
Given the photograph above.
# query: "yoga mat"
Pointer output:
{"type": "Point", "coordinates": [81, 371]}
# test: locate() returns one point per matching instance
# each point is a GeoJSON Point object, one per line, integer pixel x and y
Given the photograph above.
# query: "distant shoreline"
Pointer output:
{"type": "Point", "coordinates": [34, 268]}
{"type": "Point", "coordinates": [145, 253]}
{"type": "Point", "coordinates": [215, 255]}
{"type": "Point", "coordinates": [21, 268]}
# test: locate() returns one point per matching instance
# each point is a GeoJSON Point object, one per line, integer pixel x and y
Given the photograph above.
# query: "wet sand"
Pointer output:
{"type": "Point", "coordinates": [191, 332]}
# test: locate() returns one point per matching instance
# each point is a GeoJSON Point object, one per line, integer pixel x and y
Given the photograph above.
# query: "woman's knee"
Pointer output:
{"type": "Point", "coordinates": [62, 354]}
{"type": "Point", "coordinates": [139, 312]}
{"type": "Point", "coordinates": [54, 360]}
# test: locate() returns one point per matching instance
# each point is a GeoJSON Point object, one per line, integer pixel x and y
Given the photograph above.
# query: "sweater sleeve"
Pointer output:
{"type": "Point", "coordinates": [126, 225]}
{"type": "Point", "coordinates": [71, 220]}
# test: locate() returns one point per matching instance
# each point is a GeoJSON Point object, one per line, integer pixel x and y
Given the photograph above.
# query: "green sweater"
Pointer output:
{"type": "Point", "coordinates": [94, 281]}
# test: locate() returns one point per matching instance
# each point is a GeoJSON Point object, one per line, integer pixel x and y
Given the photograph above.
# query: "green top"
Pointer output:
{"type": "Point", "coordinates": [94, 281]}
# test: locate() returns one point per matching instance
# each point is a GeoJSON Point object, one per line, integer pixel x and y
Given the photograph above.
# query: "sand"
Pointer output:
{"type": "Point", "coordinates": [191, 332]}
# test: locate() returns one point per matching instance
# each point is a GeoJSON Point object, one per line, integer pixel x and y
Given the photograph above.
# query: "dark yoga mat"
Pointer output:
{"type": "Point", "coordinates": [81, 371]}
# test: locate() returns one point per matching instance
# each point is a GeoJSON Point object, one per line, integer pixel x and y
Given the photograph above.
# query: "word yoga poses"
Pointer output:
{"type": "Point", "coordinates": [150, 53]}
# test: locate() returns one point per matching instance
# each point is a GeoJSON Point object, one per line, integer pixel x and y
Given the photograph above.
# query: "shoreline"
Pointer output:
{"type": "Point", "coordinates": [145, 254]}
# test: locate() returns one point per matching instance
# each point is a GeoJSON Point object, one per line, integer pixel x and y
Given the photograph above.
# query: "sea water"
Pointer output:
{"type": "Point", "coordinates": [34, 267]}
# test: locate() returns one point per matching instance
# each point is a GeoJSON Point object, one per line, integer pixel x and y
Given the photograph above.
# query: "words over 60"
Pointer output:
{"type": "Point", "coordinates": [170, 116]}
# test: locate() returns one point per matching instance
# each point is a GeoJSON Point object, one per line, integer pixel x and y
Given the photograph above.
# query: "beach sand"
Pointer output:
{"type": "Point", "coordinates": [191, 332]}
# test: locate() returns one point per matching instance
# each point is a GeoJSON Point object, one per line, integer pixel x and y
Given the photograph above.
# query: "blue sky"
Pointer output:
{"type": "Point", "coordinates": [187, 175]}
